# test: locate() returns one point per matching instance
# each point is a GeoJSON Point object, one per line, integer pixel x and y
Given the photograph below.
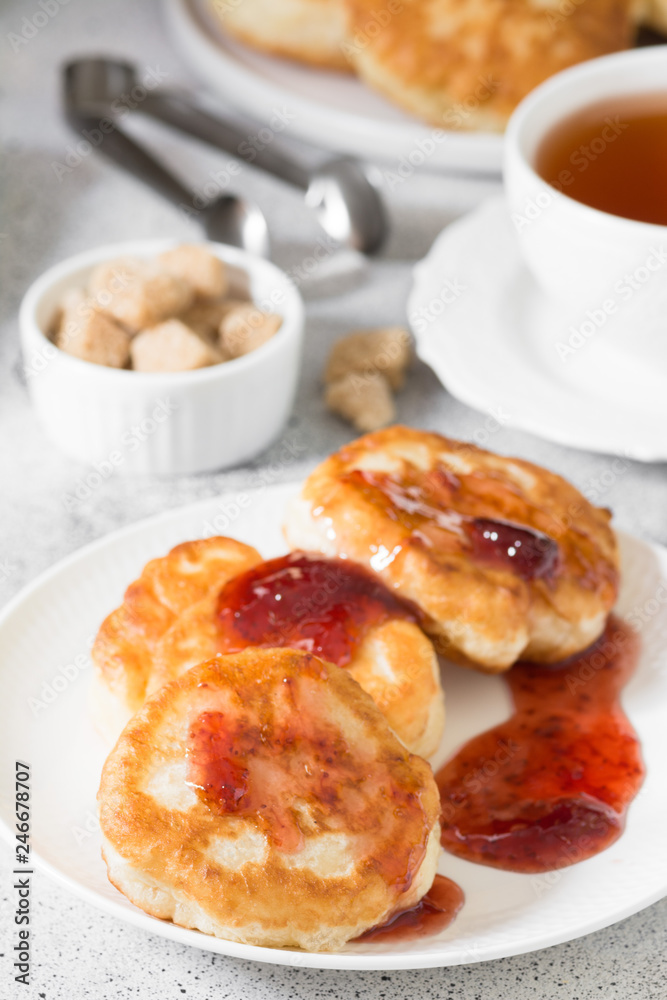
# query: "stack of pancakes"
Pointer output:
{"type": "Point", "coordinates": [271, 797]}
{"type": "Point", "coordinates": [455, 63]}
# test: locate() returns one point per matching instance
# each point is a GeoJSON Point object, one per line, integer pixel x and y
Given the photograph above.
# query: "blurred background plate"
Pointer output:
{"type": "Point", "coordinates": [331, 109]}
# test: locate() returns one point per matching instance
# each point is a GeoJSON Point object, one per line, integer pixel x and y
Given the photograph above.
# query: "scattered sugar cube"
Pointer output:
{"type": "Point", "coordinates": [245, 328]}
{"type": "Point", "coordinates": [366, 401]}
{"type": "Point", "coordinates": [205, 272]}
{"type": "Point", "coordinates": [171, 347]}
{"type": "Point", "coordinates": [386, 351]}
{"type": "Point", "coordinates": [87, 333]}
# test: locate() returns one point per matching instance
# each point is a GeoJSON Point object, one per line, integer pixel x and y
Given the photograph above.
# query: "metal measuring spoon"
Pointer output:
{"type": "Point", "coordinates": [346, 202]}
{"type": "Point", "coordinates": [229, 219]}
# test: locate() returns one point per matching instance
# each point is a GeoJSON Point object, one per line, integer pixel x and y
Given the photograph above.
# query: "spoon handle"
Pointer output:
{"type": "Point", "coordinates": [177, 110]}
{"type": "Point", "coordinates": [129, 155]}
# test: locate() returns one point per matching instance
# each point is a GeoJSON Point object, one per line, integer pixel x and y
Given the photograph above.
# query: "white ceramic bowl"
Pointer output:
{"type": "Point", "coordinates": [163, 424]}
{"type": "Point", "coordinates": [577, 253]}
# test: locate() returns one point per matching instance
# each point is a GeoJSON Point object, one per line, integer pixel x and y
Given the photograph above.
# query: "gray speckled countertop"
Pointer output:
{"type": "Point", "coordinates": [78, 951]}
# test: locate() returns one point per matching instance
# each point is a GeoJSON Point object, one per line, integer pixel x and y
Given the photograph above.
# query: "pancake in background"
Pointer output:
{"type": "Point", "coordinates": [466, 65]}
{"type": "Point", "coordinates": [654, 15]}
{"type": "Point", "coordinates": [311, 31]}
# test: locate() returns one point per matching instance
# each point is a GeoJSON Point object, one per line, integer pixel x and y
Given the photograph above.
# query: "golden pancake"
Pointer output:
{"type": "Point", "coordinates": [466, 64]}
{"type": "Point", "coordinates": [505, 559]}
{"type": "Point", "coordinates": [263, 798]}
{"type": "Point", "coordinates": [653, 13]}
{"type": "Point", "coordinates": [125, 644]}
{"type": "Point", "coordinates": [311, 31]}
{"type": "Point", "coordinates": [145, 644]}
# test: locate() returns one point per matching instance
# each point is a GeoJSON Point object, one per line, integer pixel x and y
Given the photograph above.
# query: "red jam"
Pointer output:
{"type": "Point", "coordinates": [529, 554]}
{"type": "Point", "coordinates": [433, 913]}
{"type": "Point", "coordinates": [245, 768]}
{"type": "Point", "coordinates": [278, 760]}
{"type": "Point", "coordinates": [551, 786]}
{"type": "Point", "coordinates": [433, 507]}
{"type": "Point", "coordinates": [304, 601]}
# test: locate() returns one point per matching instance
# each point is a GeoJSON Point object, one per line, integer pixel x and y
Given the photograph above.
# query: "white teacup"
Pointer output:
{"type": "Point", "coordinates": [609, 271]}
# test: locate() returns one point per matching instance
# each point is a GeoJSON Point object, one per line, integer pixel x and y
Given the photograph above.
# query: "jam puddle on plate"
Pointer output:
{"type": "Point", "coordinates": [551, 786]}
{"type": "Point", "coordinates": [434, 911]}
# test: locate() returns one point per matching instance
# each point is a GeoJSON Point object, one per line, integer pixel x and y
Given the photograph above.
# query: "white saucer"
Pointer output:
{"type": "Point", "coordinates": [500, 345]}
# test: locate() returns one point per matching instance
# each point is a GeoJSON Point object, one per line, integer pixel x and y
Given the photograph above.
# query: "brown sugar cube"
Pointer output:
{"type": "Point", "coordinates": [365, 401]}
{"type": "Point", "coordinates": [137, 293]}
{"type": "Point", "coordinates": [238, 284]}
{"type": "Point", "coordinates": [245, 328]}
{"type": "Point", "coordinates": [386, 350]}
{"type": "Point", "coordinates": [171, 347]}
{"type": "Point", "coordinates": [86, 333]}
{"type": "Point", "coordinates": [73, 303]}
{"type": "Point", "coordinates": [205, 272]}
{"type": "Point", "coordinates": [204, 317]}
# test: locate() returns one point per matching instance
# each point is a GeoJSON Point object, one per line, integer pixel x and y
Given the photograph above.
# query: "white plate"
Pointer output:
{"type": "Point", "coordinates": [51, 623]}
{"type": "Point", "coordinates": [493, 338]}
{"type": "Point", "coordinates": [332, 110]}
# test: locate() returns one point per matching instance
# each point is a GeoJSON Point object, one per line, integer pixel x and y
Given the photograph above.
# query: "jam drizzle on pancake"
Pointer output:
{"type": "Point", "coordinates": [287, 768]}
{"type": "Point", "coordinates": [432, 506]}
{"type": "Point", "coordinates": [305, 601]}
